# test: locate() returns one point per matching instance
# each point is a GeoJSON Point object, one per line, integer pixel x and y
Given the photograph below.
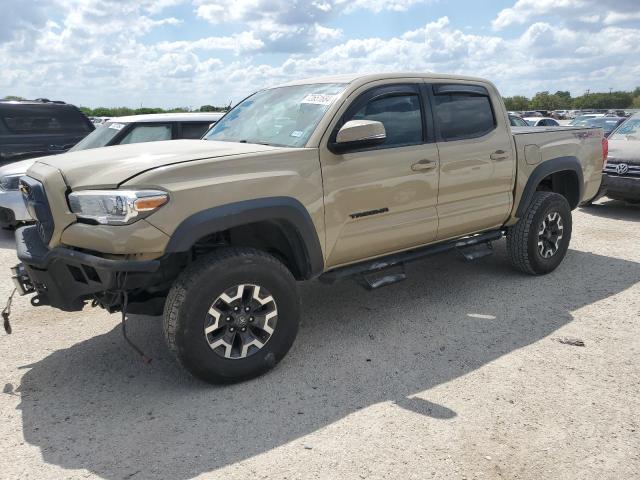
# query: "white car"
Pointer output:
{"type": "Point", "coordinates": [541, 122]}
{"type": "Point", "coordinates": [115, 131]}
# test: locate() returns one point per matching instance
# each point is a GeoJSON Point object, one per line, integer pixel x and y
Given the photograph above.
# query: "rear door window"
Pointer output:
{"type": "Point", "coordinates": [148, 133]}
{"type": "Point", "coordinates": [463, 114]}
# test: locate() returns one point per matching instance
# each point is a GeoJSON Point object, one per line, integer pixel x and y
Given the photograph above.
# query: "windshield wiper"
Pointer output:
{"type": "Point", "coordinates": [257, 143]}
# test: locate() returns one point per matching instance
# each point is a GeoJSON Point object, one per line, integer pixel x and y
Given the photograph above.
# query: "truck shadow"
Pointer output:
{"type": "Point", "coordinates": [95, 406]}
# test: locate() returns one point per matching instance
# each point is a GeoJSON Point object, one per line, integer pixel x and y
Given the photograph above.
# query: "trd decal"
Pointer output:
{"type": "Point", "coordinates": [369, 212]}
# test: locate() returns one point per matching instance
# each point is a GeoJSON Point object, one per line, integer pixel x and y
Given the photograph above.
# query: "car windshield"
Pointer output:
{"type": "Point", "coordinates": [608, 124]}
{"type": "Point", "coordinates": [100, 137]}
{"type": "Point", "coordinates": [629, 130]}
{"type": "Point", "coordinates": [284, 116]}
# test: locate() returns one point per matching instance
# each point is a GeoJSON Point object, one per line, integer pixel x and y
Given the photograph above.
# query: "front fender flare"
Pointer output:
{"type": "Point", "coordinates": [287, 211]}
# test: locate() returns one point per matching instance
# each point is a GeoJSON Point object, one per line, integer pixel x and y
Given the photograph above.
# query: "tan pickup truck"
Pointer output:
{"type": "Point", "coordinates": [347, 176]}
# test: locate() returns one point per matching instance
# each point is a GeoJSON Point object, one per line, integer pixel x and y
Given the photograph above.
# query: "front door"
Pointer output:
{"type": "Point", "coordinates": [382, 199]}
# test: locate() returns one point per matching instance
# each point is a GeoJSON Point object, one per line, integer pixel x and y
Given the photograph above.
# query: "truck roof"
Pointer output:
{"type": "Point", "coordinates": [370, 77]}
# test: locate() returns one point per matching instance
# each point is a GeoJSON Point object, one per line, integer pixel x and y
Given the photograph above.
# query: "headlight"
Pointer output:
{"type": "Point", "coordinates": [10, 182]}
{"type": "Point", "coordinates": [116, 207]}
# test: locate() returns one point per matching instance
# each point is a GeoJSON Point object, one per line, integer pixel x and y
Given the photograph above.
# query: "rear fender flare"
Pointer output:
{"type": "Point", "coordinates": [542, 171]}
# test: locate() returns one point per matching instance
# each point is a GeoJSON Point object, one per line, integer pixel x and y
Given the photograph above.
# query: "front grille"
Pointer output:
{"type": "Point", "coordinates": [621, 168]}
{"type": "Point", "coordinates": [35, 199]}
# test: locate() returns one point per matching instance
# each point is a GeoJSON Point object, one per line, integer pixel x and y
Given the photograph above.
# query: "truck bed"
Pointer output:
{"type": "Point", "coordinates": [535, 145]}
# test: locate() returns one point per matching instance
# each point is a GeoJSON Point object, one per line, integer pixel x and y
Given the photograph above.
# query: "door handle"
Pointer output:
{"type": "Point", "coordinates": [499, 155]}
{"type": "Point", "coordinates": [424, 165]}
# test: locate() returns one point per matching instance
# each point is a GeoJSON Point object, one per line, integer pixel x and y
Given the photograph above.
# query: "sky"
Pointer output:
{"type": "Point", "coordinates": [187, 53]}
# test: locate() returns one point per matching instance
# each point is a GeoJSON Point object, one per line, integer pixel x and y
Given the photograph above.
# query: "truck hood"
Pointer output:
{"type": "Point", "coordinates": [108, 167]}
{"type": "Point", "coordinates": [627, 151]}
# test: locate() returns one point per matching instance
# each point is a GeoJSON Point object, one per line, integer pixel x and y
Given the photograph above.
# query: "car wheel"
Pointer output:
{"type": "Point", "coordinates": [232, 315]}
{"type": "Point", "coordinates": [538, 243]}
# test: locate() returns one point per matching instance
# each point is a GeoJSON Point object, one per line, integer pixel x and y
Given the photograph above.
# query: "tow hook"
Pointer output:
{"type": "Point", "coordinates": [23, 285]}
{"type": "Point", "coordinates": [21, 280]}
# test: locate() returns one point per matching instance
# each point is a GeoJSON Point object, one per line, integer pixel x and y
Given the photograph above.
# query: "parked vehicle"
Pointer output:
{"type": "Point", "coordinates": [517, 121]}
{"type": "Point", "coordinates": [576, 122]}
{"type": "Point", "coordinates": [35, 128]}
{"type": "Point", "coordinates": [541, 122]}
{"type": "Point", "coordinates": [608, 124]}
{"type": "Point", "coordinates": [325, 178]}
{"type": "Point", "coordinates": [621, 179]}
{"type": "Point", "coordinates": [531, 113]}
{"type": "Point", "coordinates": [117, 131]}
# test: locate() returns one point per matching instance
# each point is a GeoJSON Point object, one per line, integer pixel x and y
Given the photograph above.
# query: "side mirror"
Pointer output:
{"type": "Point", "coordinates": [356, 134]}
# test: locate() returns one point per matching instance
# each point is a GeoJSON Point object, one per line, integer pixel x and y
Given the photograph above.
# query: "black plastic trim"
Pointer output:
{"type": "Point", "coordinates": [542, 171]}
{"type": "Point", "coordinates": [289, 212]}
{"type": "Point", "coordinates": [408, 256]}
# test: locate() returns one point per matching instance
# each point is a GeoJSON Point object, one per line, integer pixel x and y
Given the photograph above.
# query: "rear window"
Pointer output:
{"type": "Point", "coordinates": [35, 119]}
{"type": "Point", "coordinates": [463, 115]}
{"type": "Point", "coordinates": [195, 130]}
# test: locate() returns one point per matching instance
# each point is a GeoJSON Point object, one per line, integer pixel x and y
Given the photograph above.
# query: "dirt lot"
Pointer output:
{"type": "Point", "coordinates": [455, 373]}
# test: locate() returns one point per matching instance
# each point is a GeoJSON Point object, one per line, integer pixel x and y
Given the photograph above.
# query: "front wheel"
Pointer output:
{"type": "Point", "coordinates": [232, 315]}
{"type": "Point", "coordinates": [538, 243]}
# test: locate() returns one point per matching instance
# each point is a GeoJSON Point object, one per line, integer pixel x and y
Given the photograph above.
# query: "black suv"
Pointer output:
{"type": "Point", "coordinates": [36, 128]}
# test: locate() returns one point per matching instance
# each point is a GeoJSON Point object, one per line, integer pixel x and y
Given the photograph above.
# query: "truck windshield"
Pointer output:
{"type": "Point", "coordinates": [284, 116]}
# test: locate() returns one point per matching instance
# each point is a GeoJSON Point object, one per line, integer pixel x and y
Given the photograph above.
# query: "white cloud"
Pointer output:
{"type": "Point", "coordinates": [587, 11]}
{"type": "Point", "coordinates": [106, 52]}
{"type": "Point", "coordinates": [291, 26]}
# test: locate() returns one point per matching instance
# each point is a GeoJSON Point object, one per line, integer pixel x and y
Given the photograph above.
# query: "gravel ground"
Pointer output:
{"type": "Point", "coordinates": [454, 373]}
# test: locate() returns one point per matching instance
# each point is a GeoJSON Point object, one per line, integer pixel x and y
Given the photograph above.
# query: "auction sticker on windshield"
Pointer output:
{"type": "Point", "coordinates": [117, 126]}
{"type": "Point", "coordinates": [319, 99]}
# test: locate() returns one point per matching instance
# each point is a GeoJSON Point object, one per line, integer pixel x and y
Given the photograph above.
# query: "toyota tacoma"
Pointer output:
{"type": "Point", "coordinates": [327, 178]}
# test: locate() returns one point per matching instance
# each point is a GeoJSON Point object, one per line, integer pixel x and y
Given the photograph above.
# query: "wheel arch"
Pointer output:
{"type": "Point", "coordinates": [561, 175]}
{"type": "Point", "coordinates": [281, 220]}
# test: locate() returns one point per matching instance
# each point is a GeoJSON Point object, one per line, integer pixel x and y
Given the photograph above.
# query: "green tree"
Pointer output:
{"type": "Point", "coordinates": [545, 101]}
{"type": "Point", "coordinates": [636, 102]}
{"type": "Point", "coordinates": [516, 103]}
{"type": "Point", "coordinates": [13, 97]}
{"type": "Point", "coordinates": [564, 99]}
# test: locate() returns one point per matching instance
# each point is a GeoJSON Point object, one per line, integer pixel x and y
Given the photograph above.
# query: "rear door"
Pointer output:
{"type": "Point", "coordinates": [477, 161]}
{"type": "Point", "coordinates": [382, 199]}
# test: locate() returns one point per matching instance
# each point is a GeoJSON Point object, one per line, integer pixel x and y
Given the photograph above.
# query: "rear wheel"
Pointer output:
{"type": "Point", "coordinates": [232, 315]}
{"type": "Point", "coordinates": [538, 243]}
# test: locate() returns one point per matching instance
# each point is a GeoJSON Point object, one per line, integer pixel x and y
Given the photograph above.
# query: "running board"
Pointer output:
{"type": "Point", "coordinates": [380, 264]}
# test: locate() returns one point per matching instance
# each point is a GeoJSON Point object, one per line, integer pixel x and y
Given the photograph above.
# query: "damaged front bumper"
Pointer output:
{"type": "Point", "coordinates": [65, 278]}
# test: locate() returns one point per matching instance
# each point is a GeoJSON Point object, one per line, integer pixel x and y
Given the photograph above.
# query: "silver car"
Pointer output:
{"type": "Point", "coordinates": [115, 131]}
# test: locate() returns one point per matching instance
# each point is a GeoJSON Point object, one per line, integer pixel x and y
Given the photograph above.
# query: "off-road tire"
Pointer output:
{"type": "Point", "coordinates": [522, 238]}
{"type": "Point", "coordinates": [200, 284]}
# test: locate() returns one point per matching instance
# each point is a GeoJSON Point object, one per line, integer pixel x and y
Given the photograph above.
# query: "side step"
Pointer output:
{"type": "Point", "coordinates": [384, 277]}
{"type": "Point", "coordinates": [475, 252]}
{"type": "Point", "coordinates": [378, 266]}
